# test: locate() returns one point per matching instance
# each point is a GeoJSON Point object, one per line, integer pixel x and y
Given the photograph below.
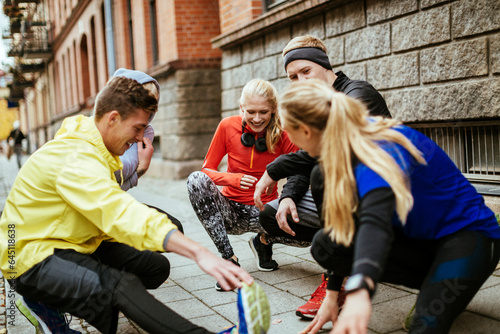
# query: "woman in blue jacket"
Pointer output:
{"type": "Point", "coordinates": [395, 209]}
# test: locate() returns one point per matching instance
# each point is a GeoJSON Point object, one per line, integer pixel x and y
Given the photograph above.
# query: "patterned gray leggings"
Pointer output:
{"type": "Point", "coordinates": [221, 216]}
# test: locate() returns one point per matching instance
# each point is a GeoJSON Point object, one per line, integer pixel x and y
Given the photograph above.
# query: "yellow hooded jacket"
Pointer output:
{"type": "Point", "coordinates": [66, 196]}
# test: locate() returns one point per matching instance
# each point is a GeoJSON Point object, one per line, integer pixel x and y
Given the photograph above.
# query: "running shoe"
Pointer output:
{"type": "Point", "coordinates": [46, 319]}
{"type": "Point", "coordinates": [263, 254]}
{"type": "Point", "coordinates": [254, 312]}
{"type": "Point", "coordinates": [310, 309]}
{"type": "Point", "coordinates": [409, 319]}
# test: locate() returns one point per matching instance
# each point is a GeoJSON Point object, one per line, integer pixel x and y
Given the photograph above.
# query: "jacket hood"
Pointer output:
{"type": "Point", "coordinates": [84, 128]}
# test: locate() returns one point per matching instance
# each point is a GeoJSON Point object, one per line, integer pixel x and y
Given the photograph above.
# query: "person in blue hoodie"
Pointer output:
{"type": "Point", "coordinates": [394, 208]}
{"type": "Point", "coordinates": [137, 158]}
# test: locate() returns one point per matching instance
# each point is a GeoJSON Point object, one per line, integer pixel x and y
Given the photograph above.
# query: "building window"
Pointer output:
{"type": "Point", "coordinates": [157, 147]}
{"type": "Point", "coordinates": [154, 30]}
{"type": "Point", "coordinates": [105, 40]}
{"type": "Point", "coordinates": [85, 70]}
{"type": "Point", "coordinates": [130, 34]}
{"type": "Point", "coordinates": [473, 146]}
{"type": "Point", "coordinates": [95, 78]}
{"type": "Point", "coordinates": [270, 4]}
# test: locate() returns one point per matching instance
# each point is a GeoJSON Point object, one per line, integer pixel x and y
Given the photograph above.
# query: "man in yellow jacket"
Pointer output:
{"type": "Point", "coordinates": [70, 238]}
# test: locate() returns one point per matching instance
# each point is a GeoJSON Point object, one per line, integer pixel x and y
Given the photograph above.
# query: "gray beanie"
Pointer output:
{"type": "Point", "coordinates": [138, 76]}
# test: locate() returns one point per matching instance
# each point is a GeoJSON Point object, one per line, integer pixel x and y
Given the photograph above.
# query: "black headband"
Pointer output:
{"type": "Point", "coordinates": [315, 55]}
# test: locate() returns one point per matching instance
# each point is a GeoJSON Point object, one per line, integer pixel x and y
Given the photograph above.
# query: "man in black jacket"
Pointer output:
{"type": "Point", "coordinates": [294, 215]}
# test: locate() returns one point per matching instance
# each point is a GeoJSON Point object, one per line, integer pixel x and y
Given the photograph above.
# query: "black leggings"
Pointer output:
{"type": "Point", "coordinates": [97, 286]}
{"type": "Point", "coordinates": [448, 272]}
{"type": "Point", "coordinates": [221, 216]}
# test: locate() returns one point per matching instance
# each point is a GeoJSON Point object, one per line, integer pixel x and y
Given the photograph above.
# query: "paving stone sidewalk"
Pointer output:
{"type": "Point", "coordinates": [190, 292]}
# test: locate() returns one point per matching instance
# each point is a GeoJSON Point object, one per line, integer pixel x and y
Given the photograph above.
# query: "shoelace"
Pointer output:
{"type": "Point", "coordinates": [319, 294]}
{"type": "Point", "coordinates": [66, 318]}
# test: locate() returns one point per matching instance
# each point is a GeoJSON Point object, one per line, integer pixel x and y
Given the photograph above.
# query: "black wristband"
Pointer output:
{"type": "Point", "coordinates": [335, 282]}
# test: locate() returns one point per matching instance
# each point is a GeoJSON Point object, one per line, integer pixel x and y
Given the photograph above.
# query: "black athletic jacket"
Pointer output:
{"type": "Point", "coordinates": [287, 165]}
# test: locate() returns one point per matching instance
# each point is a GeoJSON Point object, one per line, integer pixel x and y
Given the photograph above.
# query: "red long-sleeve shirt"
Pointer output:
{"type": "Point", "coordinates": [241, 160]}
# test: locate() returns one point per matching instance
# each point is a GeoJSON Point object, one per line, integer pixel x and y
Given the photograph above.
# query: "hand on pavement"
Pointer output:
{"type": "Point", "coordinates": [328, 311]}
{"type": "Point", "coordinates": [355, 314]}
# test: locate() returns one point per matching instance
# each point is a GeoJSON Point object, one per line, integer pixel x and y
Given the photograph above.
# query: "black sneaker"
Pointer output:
{"type": "Point", "coordinates": [217, 285]}
{"type": "Point", "coordinates": [263, 254]}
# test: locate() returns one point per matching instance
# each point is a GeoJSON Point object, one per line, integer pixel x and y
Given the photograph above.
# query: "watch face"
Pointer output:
{"type": "Point", "coordinates": [355, 282]}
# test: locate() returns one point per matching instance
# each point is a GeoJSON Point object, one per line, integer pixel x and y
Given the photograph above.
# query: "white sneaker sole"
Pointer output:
{"type": "Point", "coordinates": [305, 316]}
{"type": "Point", "coordinates": [23, 308]}
{"type": "Point", "coordinates": [253, 309]}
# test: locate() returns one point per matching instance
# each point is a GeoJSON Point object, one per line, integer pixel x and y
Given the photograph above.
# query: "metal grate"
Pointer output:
{"type": "Point", "coordinates": [473, 146]}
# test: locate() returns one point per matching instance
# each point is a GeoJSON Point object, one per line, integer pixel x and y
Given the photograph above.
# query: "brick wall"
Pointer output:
{"type": "Point", "coordinates": [188, 71]}
{"type": "Point", "coordinates": [196, 24]}
{"type": "Point", "coordinates": [236, 13]}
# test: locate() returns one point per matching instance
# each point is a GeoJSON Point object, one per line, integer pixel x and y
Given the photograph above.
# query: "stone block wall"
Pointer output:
{"type": "Point", "coordinates": [188, 114]}
{"type": "Point", "coordinates": [432, 60]}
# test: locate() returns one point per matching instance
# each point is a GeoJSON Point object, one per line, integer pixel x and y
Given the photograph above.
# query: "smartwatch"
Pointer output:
{"type": "Point", "coordinates": [358, 282]}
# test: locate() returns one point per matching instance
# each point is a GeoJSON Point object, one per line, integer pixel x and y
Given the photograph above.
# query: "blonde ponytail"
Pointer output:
{"type": "Point", "coordinates": [347, 134]}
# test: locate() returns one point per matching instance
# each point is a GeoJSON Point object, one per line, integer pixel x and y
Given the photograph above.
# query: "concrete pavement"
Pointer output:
{"type": "Point", "coordinates": [190, 292]}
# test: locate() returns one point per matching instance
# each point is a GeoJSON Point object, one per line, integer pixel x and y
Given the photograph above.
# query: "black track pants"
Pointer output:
{"type": "Point", "coordinates": [96, 287]}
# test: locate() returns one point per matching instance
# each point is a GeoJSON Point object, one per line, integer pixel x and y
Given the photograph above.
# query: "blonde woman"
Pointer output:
{"type": "Point", "coordinates": [251, 141]}
{"type": "Point", "coordinates": [394, 207]}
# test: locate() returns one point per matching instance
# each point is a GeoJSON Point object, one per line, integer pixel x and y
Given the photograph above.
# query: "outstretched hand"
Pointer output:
{"type": "Point", "coordinates": [225, 272]}
{"type": "Point", "coordinates": [353, 319]}
{"type": "Point", "coordinates": [265, 185]}
{"type": "Point", "coordinates": [355, 314]}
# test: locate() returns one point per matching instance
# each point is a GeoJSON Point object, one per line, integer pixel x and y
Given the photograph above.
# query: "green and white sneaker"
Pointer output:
{"type": "Point", "coordinates": [409, 319]}
{"type": "Point", "coordinates": [45, 319]}
{"type": "Point", "coordinates": [253, 309]}
{"type": "Point", "coordinates": [25, 310]}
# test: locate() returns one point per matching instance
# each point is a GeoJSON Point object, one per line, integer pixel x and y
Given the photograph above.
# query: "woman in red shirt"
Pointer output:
{"type": "Point", "coordinates": [251, 141]}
